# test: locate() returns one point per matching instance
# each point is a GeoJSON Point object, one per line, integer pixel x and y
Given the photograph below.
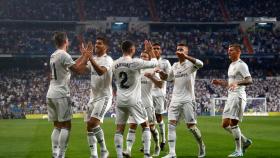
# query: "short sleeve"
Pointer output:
{"type": "Point", "coordinates": [107, 63]}
{"type": "Point", "coordinates": [67, 60]}
{"type": "Point", "coordinates": [244, 70]}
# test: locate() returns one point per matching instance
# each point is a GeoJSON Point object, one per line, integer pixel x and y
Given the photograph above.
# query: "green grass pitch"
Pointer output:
{"type": "Point", "coordinates": [31, 138]}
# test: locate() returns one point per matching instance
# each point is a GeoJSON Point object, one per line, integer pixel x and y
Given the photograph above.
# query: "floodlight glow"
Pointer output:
{"type": "Point", "coordinates": [118, 23]}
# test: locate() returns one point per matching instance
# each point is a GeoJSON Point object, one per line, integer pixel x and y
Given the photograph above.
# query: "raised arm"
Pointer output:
{"type": "Point", "coordinates": [98, 68]}
{"type": "Point", "coordinates": [197, 63]}
{"type": "Point", "coordinates": [80, 66]}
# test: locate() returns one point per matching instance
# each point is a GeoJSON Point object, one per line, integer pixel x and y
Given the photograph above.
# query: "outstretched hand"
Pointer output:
{"type": "Point", "coordinates": [148, 45]}
{"type": "Point", "coordinates": [87, 49]}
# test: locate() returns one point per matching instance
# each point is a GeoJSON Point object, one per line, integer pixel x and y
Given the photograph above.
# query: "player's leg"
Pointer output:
{"type": "Point", "coordinates": [155, 134]}
{"type": "Point", "coordinates": [64, 138]}
{"type": "Point", "coordinates": [54, 138]}
{"type": "Point", "coordinates": [146, 138]}
{"type": "Point", "coordinates": [190, 118]}
{"type": "Point", "coordinates": [64, 120]}
{"type": "Point", "coordinates": [232, 111]}
{"type": "Point", "coordinates": [122, 114]}
{"type": "Point", "coordinates": [236, 133]}
{"type": "Point", "coordinates": [245, 141]}
{"type": "Point", "coordinates": [52, 116]}
{"type": "Point", "coordinates": [139, 114]}
{"type": "Point", "coordinates": [130, 138]}
{"type": "Point", "coordinates": [99, 110]}
{"type": "Point", "coordinates": [159, 110]}
{"type": "Point", "coordinates": [173, 116]}
{"type": "Point", "coordinates": [92, 141]}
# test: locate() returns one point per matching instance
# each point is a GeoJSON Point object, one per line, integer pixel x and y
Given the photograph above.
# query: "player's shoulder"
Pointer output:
{"type": "Point", "coordinates": [60, 54]}
{"type": "Point", "coordinates": [165, 61]}
{"type": "Point", "coordinates": [176, 64]}
{"type": "Point", "coordinates": [242, 63]}
{"type": "Point", "coordinates": [107, 56]}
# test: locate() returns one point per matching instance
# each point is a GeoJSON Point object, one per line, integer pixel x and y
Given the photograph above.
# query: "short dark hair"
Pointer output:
{"type": "Point", "coordinates": [236, 46]}
{"type": "Point", "coordinates": [126, 45]}
{"type": "Point", "coordinates": [104, 40]}
{"type": "Point", "coordinates": [59, 38]}
{"type": "Point", "coordinates": [182, 44]}
{"type": "Point", "coordinates": [156, 44]}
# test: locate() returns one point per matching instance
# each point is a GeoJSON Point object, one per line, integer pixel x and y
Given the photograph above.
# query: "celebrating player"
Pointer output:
{"type": "Point", "coordinates": [159, 92]}
{"type": "Point", "coordinates": [147, 81]}
{"type": "Point", "coordinates": [100, 101]}
{"type": "Point", "coordinates": [183, 99]}
{"type": "Point", "coordinates": [238, 78]}
{"type": "Point", "coordinates": [58, 95]}
{"type": "Point", "coordinates": [128, 80]}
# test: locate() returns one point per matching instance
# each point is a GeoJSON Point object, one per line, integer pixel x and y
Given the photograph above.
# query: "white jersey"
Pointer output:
{"type": "Point", "coordinates": [237, 71]}
{"type": "Point", "coordinates": [101, 86]}
{"type": "Point", "coordinates": [146, 89]}
{"type": "Point", "coordinates": [184, 75]}
{"type": "Point", "coordinates": [60, 62]}
{"type": "Point", "coordinates": [128, 79]}
{"type": "Point", "coordinates": [165, 66]}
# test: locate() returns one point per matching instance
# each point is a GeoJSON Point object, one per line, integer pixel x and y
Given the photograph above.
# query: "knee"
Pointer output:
{"type": "Point", "coordinates": [159, 118]}
{"type": "Point", "coordinates": [120, 129]}
{"type": "Point", "coordinates": [190, 125]}
{"type": "Point", "coordinates": [145, 124]}
{"type": "Point", "coordinates": [226, 123]}
{"type": "Point", "coordinates": [93, 122]}
{"type": "Point", "coordinates": [234, 123]}
{"type": "Point", "coordinates": [172, 122]}
{"type": "Point", "coordinates": [66, 124]}
{"type": "Point", "coordinates": [133, 126]}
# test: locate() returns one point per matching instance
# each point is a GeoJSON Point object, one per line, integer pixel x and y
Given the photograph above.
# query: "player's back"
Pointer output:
{"type": "Point", "coordinates": [60, 62]}
{"type": "Point", "coordinates": [128, 79]}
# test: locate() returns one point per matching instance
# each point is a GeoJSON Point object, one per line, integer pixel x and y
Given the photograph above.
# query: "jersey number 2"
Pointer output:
{"type": "Point", "coordinates": [123, 77]}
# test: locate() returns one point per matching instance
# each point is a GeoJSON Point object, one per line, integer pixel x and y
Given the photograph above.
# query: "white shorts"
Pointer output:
{"type": "Point", "coordinates": [150, 113]}
{"type": "Point", "coordinates": [59, 109]}
{"type": "Point", "coordinates": [234, 108]}
{"type": "Point", "coordinates": [98, 108]}
{"type": "Point", "coordinates": [137, 112]}
{"type": "Point", "coordinates": [184, 109]}
{"type": "Point", "coordinates": [159, 104]}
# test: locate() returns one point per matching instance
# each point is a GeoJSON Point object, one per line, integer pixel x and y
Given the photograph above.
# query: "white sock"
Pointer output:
{"type": "Point", "coordinates": [162, 131]}
{"type": "Point", "coordinates": [237, 137]}
{"type": "Point", "coordinates": [54, 138]}
{"type": "Point", "coordinates": [155, 135]}
{"type": "Point", "coordinates": [119, 144]}
{"type": "Point", "coordinates": [63, 140]}
{"type": "Point", "coordinates": [197, 135]}
{"type": "Point", "coordinates": [243, 138]}
{"type": "Point", "coordinates": [146, 138]}
{"type": "Point", "coordinates": [92, 142]}
{"type": "Point", "coordinates": [99, 134]}
{"type": "Point", "coordinates": [172, 138]}
{"type": "Point", "coordinates": [130, 139]}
